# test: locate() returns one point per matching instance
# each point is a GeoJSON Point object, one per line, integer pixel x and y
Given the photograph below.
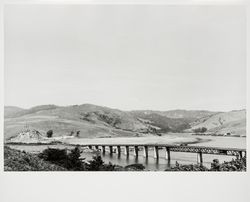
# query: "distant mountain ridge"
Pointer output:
{"type": "Point", "coordinates": [97, 121]}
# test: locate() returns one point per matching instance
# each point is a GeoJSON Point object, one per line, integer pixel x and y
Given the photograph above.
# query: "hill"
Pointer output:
{"type": "Point", "coordinates": [89, 121]}
{"type": "Point", "coordinates": [10, 110]}
{"type": "Point", "coordinates": [233, 123]}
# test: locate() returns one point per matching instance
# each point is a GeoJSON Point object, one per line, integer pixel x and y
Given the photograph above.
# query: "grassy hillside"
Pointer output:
{"type": "Point", "coordinates": [96, 121]}
{"type": "Point", "coordinates": [90, 120]}
{"type": "Point", "coordinates": [188, 114]}
{"type": "Point", "coordinates": [10, 110]}
{"type": "Point", "coordinates": [233, 122]}
{"type": "Point", "coordinates": [164, 123]}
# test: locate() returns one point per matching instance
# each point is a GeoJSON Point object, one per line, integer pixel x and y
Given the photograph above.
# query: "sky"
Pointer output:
{"type": "Point", "coordinates": [126, 56]}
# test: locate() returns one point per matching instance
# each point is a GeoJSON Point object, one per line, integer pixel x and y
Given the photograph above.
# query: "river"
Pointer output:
{"type": "Point", "coordinates": [151, 163]}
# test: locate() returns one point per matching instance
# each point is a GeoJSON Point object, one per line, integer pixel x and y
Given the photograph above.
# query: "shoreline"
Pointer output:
{"type": "Point", "coordinates": [143, 141]}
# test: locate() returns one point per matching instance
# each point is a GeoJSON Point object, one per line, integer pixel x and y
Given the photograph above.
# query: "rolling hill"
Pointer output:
{"type": "Point", "coordinates": [90, 120]}
{"type": "Point", "coordinates": [98, 121]}
{"type": "Point", "coordinates": [233, 123]}
{"type": "Point", "coordinates": [10, 110]}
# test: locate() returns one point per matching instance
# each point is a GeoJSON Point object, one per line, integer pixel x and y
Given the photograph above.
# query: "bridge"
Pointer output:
{"type": "Point", "coordinates": [135, 148]}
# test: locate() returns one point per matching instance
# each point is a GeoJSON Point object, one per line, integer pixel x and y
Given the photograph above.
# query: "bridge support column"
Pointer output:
{"type": "Point", "coordinates": [240, 154]}
{"type": "Point", "coordinates": [118, 150]}
{"type": "Point", "coordinates": [136, 151]}
{"type": "Point", "coordinates": [201, 158]}
{"type": "Point", "coordinates": [97, 147]}
{"type": "Point", "coordinates": [145, 151]}
{"type": "Point", "coordinates": [126, 150]}
{"type": "Point", "coordinates": [111, 149]}
{"type": "Point", "coordinates": [103, 149]}
{"type": "Point", "coordinates": [156, 152]}
{"type": "Point", "coordinates": [168, 153]}
{"type": "Point", "coordinates": [90, 147]}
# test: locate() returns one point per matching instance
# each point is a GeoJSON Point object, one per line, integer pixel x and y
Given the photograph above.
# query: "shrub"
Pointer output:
{"type": "Point", "coordinates": [233, 165]}
{"type": "Point", "coordinates": [71, 161]}
{"type": "Point", "coordinates": [74, 162]}
{"type": "Point", "coordinates": [78, 133]}
{"type": "Point", "coordinates": [135, 167]}
{"type": "Point", "coordinates": [96, 164]}
{"type": "Point", "coordinates": [15, 160]}
{"type": "Point", "coordinates": [200, 130]}
{"type": "Point", "coordinates": [49, 133]}
{"type": "Point", "coordinates": [190, 167]}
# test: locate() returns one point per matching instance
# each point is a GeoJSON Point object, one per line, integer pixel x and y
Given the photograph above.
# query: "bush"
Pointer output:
{"type": "Point", "coordinates": [96, 164]}
{"type": "Point", "coordinates": [15, 160]}
{"type": "Point", "coordinates": [71, 161]}
{"type": "Point", "coordinates": [78, 133]}
{"type": "Point", "coordinates": [190, 167]}
{"type": "Point", "coordinates": [135, 167]}
{"type": "Point", "coordinates": [74, 162]}
{"type": "Point", "coordinates": [49, 133]}
{"type": "Point", "coordinates": [233, 165]}
{"type": "Point", "coordinates": [200, 130]}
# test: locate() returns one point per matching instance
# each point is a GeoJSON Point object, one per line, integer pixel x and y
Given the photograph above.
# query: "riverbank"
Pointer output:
{"type": "Point", "coordinates": [150, 163]}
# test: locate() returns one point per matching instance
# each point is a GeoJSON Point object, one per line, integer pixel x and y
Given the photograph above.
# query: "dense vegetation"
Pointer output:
{"type": "Point", "coordinates": [233, 165]}
{"type": "Point", "coordinates": [15, 160]}
{"type": "Point", "coordinates": [58, 160]}
{"type": "Point", "coordinates": [200, 130]}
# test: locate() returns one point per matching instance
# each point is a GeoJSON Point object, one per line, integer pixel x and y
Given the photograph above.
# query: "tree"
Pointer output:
{"type": "Point", "coordinates": [96, 164]}
{"type": "Point", "coordinates": [78, 133]}
{"type": "Point", "coordinates": [203, 129]}
{"type": "Point", "coordinates": [74, 162]}
{"type": "Point", "coordinates": [70, 161]}
{"type": "Point", "coordinates": [49, 133]}
{"type": "Point", "coordinates": [200, 130]}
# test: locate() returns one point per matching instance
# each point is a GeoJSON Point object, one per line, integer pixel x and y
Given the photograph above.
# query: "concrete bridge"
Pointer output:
{"type": "Point", "coordinates": [135, 148]}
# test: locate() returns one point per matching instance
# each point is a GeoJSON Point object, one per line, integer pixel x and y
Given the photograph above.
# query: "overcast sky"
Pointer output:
{"type": "Point", "coordinates": [126, 56]}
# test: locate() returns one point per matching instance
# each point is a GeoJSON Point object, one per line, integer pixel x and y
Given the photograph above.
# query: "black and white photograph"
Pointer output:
{"type": "Point", "coordinates": [124, 87]}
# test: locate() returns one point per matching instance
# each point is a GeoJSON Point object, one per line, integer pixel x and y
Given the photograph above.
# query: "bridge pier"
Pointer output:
{"type": "Point", "coordinates": [97, 147]}
{"type": "Point", "coordinates": [168, 154]}
{"type": "Point", "coordinates": [103, 149]}
{"type": "Point", "coordinates": [136, 151]}
{"type": "Point", "coordinates": [145, 151]}
{"type": "Point", "coordinates": [90, 147]}
{"type": "Point", "coordinates": [201, 158]}
{"type": "Point", "coordinates": [126, 151]}
{"type": "Point", "coordinates": [111, 149]}
{"type": "Point", "coordinates": [119, 150]}
{"type": "Point", "coordinates": [156, 152]}
{"type": "Point", "coordinates": [241, 155]}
